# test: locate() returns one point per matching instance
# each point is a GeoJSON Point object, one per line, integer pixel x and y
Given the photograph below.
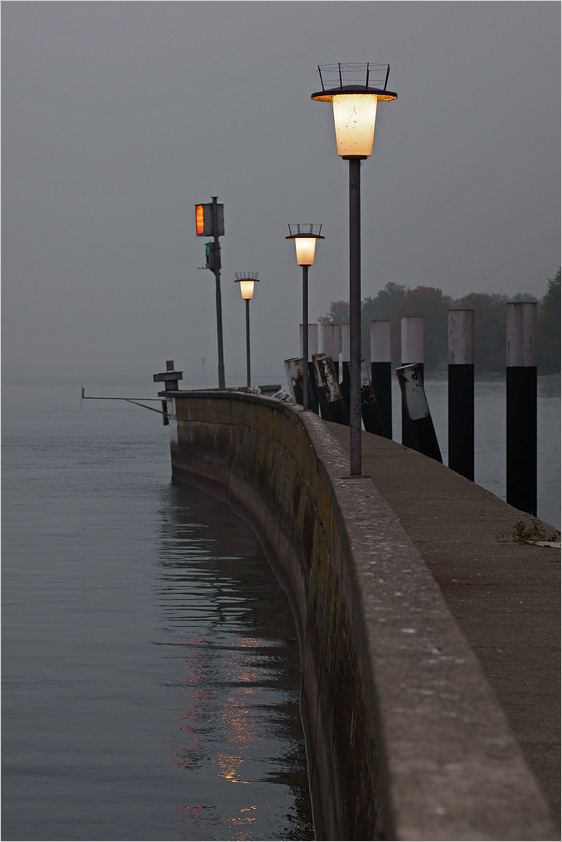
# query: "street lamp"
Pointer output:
{"type": "Point", "coordinates": [351, 90]}
{"type": "Point", "coordinates": [247, 281]}
{"type": "Point", "coordinates": [305, 236]}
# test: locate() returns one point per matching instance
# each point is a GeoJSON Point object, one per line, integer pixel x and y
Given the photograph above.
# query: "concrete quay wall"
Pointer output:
{"type": "Point", "coordinates": [405, 737]}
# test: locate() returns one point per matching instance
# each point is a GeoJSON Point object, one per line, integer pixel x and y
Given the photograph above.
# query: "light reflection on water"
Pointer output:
{"type": "Point", "coordinates": [235, 655]}
{"type": "Point", "coordinates": [150, 660]}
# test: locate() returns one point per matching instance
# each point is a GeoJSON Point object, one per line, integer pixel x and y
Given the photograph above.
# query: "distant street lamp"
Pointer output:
{"type": "Point", "coordinates": [247, 281]}
{"type": "Point", "coordinates": [354, 101]}
{"type": "Point", "coordinates": [305, 236]}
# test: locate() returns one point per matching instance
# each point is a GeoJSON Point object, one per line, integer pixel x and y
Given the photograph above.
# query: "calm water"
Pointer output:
{"type": "Point", "coordinates": [150, 658]}
{"type": "Point", "coordinates": [489, 435]}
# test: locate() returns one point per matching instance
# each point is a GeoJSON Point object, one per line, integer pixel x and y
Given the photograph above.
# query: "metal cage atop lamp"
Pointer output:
{"type": "Point", "coordinates": [247, 281]}
{"type": "Point", "coordinates": [305, 235]}
{"type": "Point", "coordinates": [358, 88]}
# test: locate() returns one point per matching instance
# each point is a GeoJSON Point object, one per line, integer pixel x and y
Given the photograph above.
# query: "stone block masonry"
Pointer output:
{"type": "Point", "coordinates": [405, 737]}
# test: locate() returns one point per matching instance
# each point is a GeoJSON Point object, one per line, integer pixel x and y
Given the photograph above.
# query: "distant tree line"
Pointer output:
{"type": "Point", "coordinates": [395, 301]}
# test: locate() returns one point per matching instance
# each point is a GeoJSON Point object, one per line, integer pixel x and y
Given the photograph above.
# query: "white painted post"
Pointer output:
{"type": "Point", "coordinates": [461, 337]}
{"type": "Point", "coordinates": [345, 344]}
{"type": "Point", "coordinates": [380, 341]}
{"type": "Point", "coordinates": [411, 340]}
{"type": "Point", "coordinates": [331, 343]}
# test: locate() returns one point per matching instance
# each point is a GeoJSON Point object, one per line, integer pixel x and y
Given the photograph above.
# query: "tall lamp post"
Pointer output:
{"type": "Point", "coordinates": [305, 236]}
{"type": "Point", "coordinates": [247, 281]}
{"type": "Point", "coordinates": [354, 91]}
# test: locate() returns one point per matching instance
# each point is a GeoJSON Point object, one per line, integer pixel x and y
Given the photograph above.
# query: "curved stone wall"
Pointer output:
{"type": "Point", "coordinates": [405, 738]}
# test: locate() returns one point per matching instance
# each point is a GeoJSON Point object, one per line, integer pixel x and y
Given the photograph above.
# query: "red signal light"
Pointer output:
{"type": "Point", "coordinates": [200, 219]}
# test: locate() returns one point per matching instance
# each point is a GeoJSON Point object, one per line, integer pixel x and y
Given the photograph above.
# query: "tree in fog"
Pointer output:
{"type": "Point", "coordinates": [338, 314]}
{"type": "Point", "coordinates": [395, 301]}
{"type": "Point", "coordinates": [549, 328]}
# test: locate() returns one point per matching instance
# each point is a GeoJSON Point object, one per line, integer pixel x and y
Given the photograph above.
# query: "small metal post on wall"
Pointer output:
{"type": "Point", "coordinates": [381, 373]}
{"type": "Point", "coordinates": [461, 392]}
{"type": "Point", "coordinates": [521, 405]}
{"type": "Point", "coordinates": [411, 347]}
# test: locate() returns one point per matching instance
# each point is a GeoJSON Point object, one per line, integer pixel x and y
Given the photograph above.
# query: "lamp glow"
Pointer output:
{"type": "Point", "coordinates": [354, 121]}
{"type": "Point", "coordinates": [305, 248]}
{"type": "Point", "coordinates": [246, 289]}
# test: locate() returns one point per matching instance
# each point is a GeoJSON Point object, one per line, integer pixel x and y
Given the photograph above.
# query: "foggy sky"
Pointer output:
{"type": "Point", "coordinates": [119, 117]}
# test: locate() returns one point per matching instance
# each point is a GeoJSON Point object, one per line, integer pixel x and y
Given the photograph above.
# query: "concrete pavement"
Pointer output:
{"type": "Point", "coordinates": [505, 596]}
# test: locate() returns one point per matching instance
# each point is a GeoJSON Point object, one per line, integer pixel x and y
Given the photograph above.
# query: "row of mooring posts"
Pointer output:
{"type": "Point", "coordinates": [329, 390]}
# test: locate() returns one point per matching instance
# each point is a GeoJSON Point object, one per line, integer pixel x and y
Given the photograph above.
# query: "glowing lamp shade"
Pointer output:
{"type": "Point", "coordinates": [246, 289]}
{"type": "Point", "coordinates": [305, 247]}
{"type": "Point", "coordinates": [354, 121]}
{"type": "Point", "coordinates": [200, 220]}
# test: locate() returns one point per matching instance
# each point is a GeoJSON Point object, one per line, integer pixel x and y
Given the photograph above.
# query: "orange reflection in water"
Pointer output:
{"type": "Point", "coordinates": [229, 765]}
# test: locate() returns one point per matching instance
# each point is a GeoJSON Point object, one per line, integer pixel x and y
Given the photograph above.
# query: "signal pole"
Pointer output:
{"type": "Point", "coordinates": [217, 271]}
{"type": "Point", "coordinates": [209, 221]}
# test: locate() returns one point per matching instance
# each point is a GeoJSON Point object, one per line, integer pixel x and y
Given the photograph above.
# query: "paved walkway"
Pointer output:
{"type": "Point", "coordinates": [505, 596]}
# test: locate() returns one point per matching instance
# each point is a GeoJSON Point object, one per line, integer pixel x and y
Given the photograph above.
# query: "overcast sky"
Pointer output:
{"type": "Point", "coordinates": [119, 117]}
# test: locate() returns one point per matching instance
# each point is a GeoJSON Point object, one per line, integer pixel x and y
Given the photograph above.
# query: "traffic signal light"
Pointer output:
{"type": "Point", "coordinates": [212, 256]}
{"type": "Point", "coordinates": [204, 222]}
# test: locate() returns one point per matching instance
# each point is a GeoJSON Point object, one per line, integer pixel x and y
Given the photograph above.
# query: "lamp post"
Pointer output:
{"type": "Point", "coordinates": [247, 281]}
{"type": "Point", "coordinates": [305, 236]}
{"type": "Point", "coordinates": [351, 90]}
